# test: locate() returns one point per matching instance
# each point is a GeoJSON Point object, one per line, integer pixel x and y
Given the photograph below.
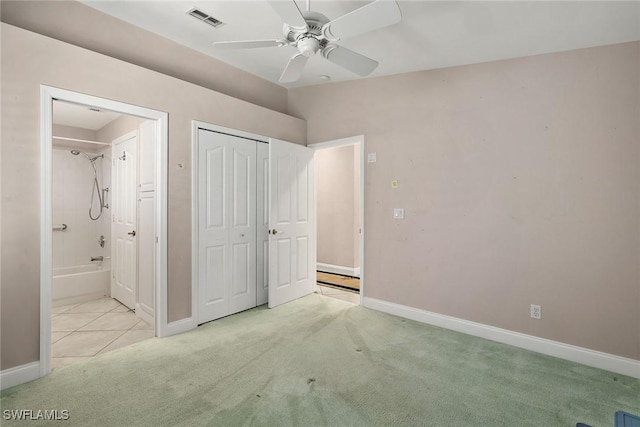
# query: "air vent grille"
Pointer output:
{"type": "Point", "coordinates": [204, 17]}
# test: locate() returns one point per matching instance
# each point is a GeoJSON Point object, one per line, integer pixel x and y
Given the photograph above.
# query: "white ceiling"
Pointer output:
{"type": "Point", "coordinates": [432, 34]}
{"type": "Point", "coordinates": [80, 116]}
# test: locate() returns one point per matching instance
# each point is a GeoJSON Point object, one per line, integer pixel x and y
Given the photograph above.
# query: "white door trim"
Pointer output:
{"type": "Point", "coordinates": [352, 140]}
{"type": "Point", "coordinates": [192, 322]}
{"type": "Point", "coordinates": [47, 95]}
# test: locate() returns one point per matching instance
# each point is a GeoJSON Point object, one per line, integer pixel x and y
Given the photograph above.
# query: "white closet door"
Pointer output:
{"type": "Point", "coordinates": [226, 225]}
{"type": "Point", "coordinates": [123, 230]}
{"type": "Point", "coordinates": [262, 187]}
{"type": "Point", "coordinates": [292, 244]}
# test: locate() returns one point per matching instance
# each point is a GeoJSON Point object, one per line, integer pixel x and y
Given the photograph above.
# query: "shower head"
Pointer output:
{"type": "Point", "coordinates": [91, 159]}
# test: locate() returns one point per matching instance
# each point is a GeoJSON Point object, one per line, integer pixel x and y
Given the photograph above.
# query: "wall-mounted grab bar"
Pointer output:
{"type": "Point", "coordinates": [62, 227]}
{"type": "Point", "coordinates": [104, 198]}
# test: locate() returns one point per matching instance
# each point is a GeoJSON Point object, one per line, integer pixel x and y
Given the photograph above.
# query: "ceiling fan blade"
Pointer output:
{"type": "Point", "coordinates": [249, 44]}
{"type": "Point", "coordinates": [352, 61]}
{"type": "Point", "coordinates": [289, 12]}
{"type": "Point", "coordinates": [378, 14]}
{"type": "Point", "coordinates": [293, 70]}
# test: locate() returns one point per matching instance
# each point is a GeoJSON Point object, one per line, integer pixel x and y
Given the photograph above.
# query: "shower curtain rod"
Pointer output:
{"type": "Point", "coordinates": [80, 140]}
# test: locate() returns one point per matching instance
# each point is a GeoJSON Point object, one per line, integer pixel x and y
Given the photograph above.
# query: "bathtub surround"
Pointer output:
{"type": "Point", "coordinates": [81, 266]}
{"type": "Point", "coordinates": [72, 188]}
{"type": "Point", "coordinates": [250, 369]}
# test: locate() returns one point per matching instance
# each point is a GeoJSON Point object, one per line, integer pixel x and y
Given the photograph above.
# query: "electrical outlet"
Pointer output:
{"type": "Point", "coordinates": [536, 311]}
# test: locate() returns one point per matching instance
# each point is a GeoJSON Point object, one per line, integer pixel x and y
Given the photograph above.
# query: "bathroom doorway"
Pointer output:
{"type": "Point", "coordinates": [94, 179]}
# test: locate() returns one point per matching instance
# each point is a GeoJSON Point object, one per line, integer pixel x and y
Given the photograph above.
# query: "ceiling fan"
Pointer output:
{"type": "Point", "coordinates": [311, 32]}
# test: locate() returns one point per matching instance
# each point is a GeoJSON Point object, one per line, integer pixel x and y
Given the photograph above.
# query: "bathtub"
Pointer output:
{"type": "Point", "coordinates": [74, 285]}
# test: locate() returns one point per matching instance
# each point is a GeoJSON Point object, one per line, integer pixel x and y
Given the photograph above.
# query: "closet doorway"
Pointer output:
{"type": "Point", "coordinates": [253, 223]}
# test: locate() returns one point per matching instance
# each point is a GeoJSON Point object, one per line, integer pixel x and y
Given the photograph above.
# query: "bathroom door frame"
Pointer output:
{"type": "Point", "coordinates": [47, 95]}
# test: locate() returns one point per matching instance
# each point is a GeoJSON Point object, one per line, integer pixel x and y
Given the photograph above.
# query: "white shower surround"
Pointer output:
{"type": "Point", "coordinates": [72, 186]}
{"type": "Point", "coordinates": [76, 278]}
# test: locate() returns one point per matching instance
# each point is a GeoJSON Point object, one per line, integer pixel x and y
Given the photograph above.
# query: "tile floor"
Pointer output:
{"type": "Point", "coordinates": [81, 331]}
{"type": "Point", "coordinates": [343, 294]}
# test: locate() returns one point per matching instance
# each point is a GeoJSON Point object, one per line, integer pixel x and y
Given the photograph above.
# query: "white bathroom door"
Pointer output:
{"type": "Point", "coordinates": [226, 225]}
{"type": "Point", "coordinates": [124, 220]}
{"type": "Point", "coordinates": [292, 246]}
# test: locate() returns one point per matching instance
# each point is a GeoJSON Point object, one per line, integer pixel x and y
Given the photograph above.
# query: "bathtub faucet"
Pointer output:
{"type": "Point", "coordinates": [97, 258]}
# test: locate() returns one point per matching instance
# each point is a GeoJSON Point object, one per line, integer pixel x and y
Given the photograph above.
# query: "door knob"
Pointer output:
{"type": "Point", "coordinates": [274, 231]}
{"type": "Point", "coordinates": [132, 233]}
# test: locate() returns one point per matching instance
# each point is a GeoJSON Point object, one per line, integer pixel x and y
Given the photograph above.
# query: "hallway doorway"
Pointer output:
{"type": "Point", "coordinates": [340, 208]}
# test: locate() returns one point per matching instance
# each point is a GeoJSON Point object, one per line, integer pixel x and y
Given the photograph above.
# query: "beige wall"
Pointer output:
{"type": "Point", "coordinates": [28, 60]}
{"type": "Point", "coordinates": [72, 132]}
{"type": "Point", "coordinates": [119, 127]}
{"type": "Point", "coordinates": [338, 205]}
{"type": "Point", "coordinates": [520, 181]}
{"type": "Point", "coordinates": [79, 24]}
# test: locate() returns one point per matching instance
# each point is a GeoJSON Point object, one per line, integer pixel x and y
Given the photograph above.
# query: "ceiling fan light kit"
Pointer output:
{"type": "Point", "coordinates": [308, 46]}
{"type": "Point", "coordinates": [311, 32]}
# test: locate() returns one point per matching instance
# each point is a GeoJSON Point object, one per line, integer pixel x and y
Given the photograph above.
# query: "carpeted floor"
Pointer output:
{"type": "Point", "coordinates": [321, 361]}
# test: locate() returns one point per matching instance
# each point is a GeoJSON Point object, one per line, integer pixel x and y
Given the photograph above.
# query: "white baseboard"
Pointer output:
{"type": "Point", "coordinates": [338, 269]}
{"type": "Point", "coordinates": [19, 375]}
{"type": "Point", "coordinates": [145, 313]}
{"type": "Point", "coordinates": [180, 326]}
{"type": "Point", "coordinates": [596, 359]}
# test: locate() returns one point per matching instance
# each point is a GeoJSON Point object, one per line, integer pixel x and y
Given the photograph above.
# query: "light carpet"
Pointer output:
{"type": "Point", "coordinates": [320, 361]}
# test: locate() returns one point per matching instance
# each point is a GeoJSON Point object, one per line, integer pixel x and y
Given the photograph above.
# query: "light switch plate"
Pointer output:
{"type": "Point", "coordinates": [372, 158]}
{"type": "Point", "coordinates": [398, 213]}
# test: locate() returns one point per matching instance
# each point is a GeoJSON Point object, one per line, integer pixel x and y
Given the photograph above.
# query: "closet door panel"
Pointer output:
{"type": "Point", "coordinates": [242, 220]}
{"type": "Point", "coordinates": [226, 225]}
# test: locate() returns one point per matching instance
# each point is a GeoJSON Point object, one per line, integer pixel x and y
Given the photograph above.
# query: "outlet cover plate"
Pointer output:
{"type": "Point", "coordinates": [398, 213]}
{"type": "Point", "coordinates": [536, 311]}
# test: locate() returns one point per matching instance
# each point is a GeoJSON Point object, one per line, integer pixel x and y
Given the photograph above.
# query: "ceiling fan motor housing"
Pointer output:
{"type": "Point", "coordinates": [309, 40]}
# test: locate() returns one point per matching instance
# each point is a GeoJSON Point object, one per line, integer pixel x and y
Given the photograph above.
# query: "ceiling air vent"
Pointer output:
{"type": "Point", "coordinates": [204, 17]}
